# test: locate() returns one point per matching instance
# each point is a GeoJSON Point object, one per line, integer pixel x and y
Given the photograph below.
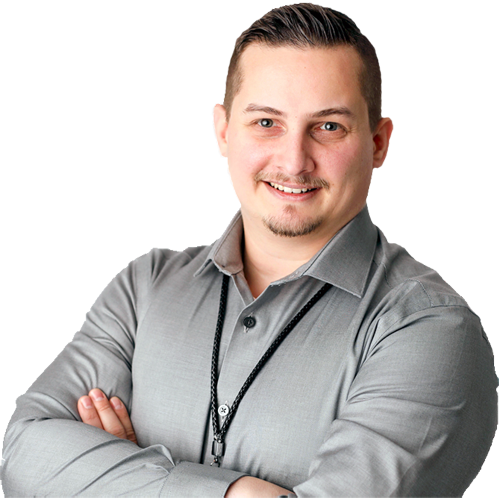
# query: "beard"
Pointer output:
{"type": "Point", "coordinates": [289, 225]}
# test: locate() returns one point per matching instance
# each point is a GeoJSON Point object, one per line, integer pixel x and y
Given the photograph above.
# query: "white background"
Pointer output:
{"type": "Point", "coordinates": [23, 184]}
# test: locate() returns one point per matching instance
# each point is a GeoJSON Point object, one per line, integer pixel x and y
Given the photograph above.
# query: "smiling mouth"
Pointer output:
{"type": "Point", "coordinates": [286, 189]}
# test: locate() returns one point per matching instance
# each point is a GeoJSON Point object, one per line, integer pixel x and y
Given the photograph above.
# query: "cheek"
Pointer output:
{"type": "Point", "coordinates": [337, 167]}
{"type": "Point", "coordinates": [348, 165]}
{"type": "Point", "coordinates": [350, 176]}
{"type": "Point", "coordinates": [245, 157]}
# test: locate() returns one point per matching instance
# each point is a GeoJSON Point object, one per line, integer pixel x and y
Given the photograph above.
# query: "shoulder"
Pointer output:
{"type": "Point", "coordinates": [160, 264]}
{"type": "Point", "coordinates": [411, 294]}
{"type": "Point", "coordinates": [418, 326]}
{"type": "Point", "coordinates": [160, 275]}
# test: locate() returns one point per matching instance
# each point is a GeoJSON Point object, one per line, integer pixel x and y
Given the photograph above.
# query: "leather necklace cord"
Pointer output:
{"type": "Point", "coordinates": [218, 431]}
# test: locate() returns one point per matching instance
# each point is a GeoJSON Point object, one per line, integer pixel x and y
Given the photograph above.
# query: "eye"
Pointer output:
{"type": "Point", "coordinates": [266, 123]}
{"type": "Point", "coordinates": [330, 126]}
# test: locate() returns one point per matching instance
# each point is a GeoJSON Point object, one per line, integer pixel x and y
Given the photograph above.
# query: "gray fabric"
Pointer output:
{"type": "Point", "coordinates": [385, 388]}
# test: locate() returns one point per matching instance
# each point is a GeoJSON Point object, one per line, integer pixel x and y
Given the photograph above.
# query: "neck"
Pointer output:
{"type": "Point", "coordinates": [268, 257]}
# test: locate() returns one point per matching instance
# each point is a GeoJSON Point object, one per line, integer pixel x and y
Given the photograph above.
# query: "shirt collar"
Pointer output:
{"type": "Point", "coordinates": [344, 261]}
{"type": "Point", "coordinates": [225, 253]}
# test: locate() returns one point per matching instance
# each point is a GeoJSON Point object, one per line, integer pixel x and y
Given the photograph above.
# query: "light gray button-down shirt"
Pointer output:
{"type": "Point", "coordinates": [385, 388]}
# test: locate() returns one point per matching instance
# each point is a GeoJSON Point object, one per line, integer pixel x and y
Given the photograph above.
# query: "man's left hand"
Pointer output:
{"type": "Point", "coordinates": [108, 415]}
{"type": "Point", "coordinates": [253, 487]}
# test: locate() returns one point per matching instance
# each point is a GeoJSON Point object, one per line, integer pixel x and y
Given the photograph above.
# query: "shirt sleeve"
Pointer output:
{"type": "Point", "coordinates": [49, 452]}
{"type": "Point", "coordinates": [420, 414]}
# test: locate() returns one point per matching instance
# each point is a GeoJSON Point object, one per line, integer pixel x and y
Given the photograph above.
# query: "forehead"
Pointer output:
{"type": "Point", "coordinates": [300, 78]}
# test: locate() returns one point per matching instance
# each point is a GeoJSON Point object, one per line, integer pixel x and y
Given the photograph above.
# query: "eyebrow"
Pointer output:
{"type": "Point", "coordinates": [341, 110]}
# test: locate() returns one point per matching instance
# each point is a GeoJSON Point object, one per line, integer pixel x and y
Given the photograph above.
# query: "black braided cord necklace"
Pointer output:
{"type": "Point", "coordinates": [224, 410]}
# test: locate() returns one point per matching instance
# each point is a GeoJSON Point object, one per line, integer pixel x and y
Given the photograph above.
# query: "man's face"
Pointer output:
{"type": "Point", "coordinates": [298, 142]}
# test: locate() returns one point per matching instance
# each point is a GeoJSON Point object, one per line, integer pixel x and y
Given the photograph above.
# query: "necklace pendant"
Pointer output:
{"type": "Point", "coordinates": [217, 448]}
{"type": "Point", "coordinates": [217, 452]}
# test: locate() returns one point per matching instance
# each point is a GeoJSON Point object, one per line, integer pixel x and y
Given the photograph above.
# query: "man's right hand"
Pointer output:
{"type": "Point", "coordinates": [109, 415]}
{"type": "Point", "coordinates": [112, 416]}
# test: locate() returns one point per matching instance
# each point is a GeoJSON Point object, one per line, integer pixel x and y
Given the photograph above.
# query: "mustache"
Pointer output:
{"type": "Point", "coordinates": [306, 181]}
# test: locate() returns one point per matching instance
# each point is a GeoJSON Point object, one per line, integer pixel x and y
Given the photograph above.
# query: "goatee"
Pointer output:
{"type": "Point", "coordinates": [288, 224]}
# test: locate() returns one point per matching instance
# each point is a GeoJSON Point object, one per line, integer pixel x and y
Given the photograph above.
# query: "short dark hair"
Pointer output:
{"type": "Point", "coordinates": [306, 25]}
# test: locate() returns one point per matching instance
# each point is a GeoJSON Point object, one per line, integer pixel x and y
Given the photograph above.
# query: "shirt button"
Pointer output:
{"type": "Point", "coordinates": [249, 322]}
{"type": "Point", "coordinates": [223, 410]}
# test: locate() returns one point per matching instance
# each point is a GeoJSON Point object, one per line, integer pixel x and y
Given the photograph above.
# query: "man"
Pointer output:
{"type": "Point", "coordinates": [340, 366]}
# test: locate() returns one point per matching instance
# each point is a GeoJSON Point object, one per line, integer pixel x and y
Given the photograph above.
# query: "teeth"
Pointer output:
{"type": "Point", "coordinates": [289, 190]}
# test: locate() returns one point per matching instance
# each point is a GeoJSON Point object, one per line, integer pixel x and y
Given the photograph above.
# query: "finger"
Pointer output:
{"type": "Point", "coordinates": [88, 413]}
{"type": "Point", "coordinates": [110, 421]}
{"type": "Point", "coordinates": [122, 414]}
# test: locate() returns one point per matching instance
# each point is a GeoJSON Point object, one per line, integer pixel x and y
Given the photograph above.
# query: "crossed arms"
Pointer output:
{"type": "Point", "coordinates": [112, 416]}
{"type": "Point", "coordinates": [386, 441]}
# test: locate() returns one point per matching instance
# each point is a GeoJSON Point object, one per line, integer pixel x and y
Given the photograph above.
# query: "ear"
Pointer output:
{"type": "Point", "coordinates": [381, 138]}
{"type": "Point", "coordinates": [221, 124]}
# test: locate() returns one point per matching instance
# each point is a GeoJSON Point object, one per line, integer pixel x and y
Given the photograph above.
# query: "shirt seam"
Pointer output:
{"type": "Point", "coordinates": [425, 309]}
{"type": "Point", "coordinates": [423, 288]}
{"type": "Point", "coordinates": [147, 294]}
{"type": "Point", "coordinates": [385, 273]}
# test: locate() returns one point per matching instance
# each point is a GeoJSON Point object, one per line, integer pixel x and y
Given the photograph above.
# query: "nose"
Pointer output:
{"type": "Point", "coordinates": [294, 156]}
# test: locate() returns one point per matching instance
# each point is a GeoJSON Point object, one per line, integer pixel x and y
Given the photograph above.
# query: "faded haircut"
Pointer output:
{"type": "Point", "coordinates": [303, 26]}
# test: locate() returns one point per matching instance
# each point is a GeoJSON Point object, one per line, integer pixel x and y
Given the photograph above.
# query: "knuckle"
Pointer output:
{"type": "Point", "coordinates": [131, 435]}
{"type": "Point", "coordinates": [117, 431]}
{"type": "Point", "coordinates": [103, 405]}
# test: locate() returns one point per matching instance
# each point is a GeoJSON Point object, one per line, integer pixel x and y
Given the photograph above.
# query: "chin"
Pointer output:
{"type": "Point", "coordinates": [289, 227]}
